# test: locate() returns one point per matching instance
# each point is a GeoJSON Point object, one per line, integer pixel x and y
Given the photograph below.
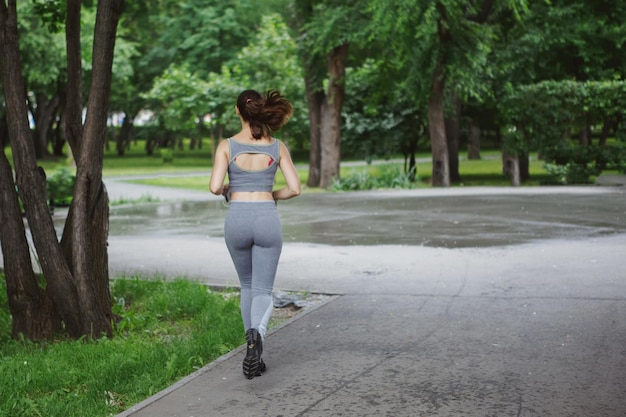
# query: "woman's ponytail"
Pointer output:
{"type": "Point", "coordinates": [265, 115]}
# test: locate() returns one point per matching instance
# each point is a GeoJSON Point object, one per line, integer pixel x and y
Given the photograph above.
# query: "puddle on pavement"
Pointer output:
{"type": "Point", "coordinates": [373, 219]}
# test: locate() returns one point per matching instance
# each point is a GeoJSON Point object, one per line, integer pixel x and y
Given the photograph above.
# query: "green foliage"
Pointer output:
{"type": "Point", "coordinates": [181, 97]}
{"type": "Point", "coordinates": [570, 173]}
{"type": "Point", "coordinates": [565, 39]}
{"type": "Point", "coordinates": [270, 61]}
{"type": "Point", "coordinates": [541, 115]}
{"type": "Point", "coordinates": [178, 97]}
{"type": "Point", "coordinates": [388, 176]}
{"type": "Point", "coordinates": [52, 12]}
{"type": "Point", "coordinates": [570, 164]}
{"type": "Point", "coordinates": [458, 34]}
{"type": "Point", "coordinates": [42, 49]}
{"type": "Point", "coordinates": [167, 155]}
{"type": "Point", "coordinates": [167, 330]}
{"type": "Point", "coordinates": [378, 123]}
{"type": "Point", "coordinates": [61, 186]}
{"type": "Point", "coordinates": [334, 23]}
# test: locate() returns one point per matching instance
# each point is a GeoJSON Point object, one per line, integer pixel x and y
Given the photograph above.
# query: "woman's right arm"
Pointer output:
{"type": "Point", "coordinates": [220, 167]}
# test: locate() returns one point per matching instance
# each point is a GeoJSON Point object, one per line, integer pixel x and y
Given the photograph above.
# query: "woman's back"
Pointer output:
{"type": "Point", "coordinates": [252, 165]}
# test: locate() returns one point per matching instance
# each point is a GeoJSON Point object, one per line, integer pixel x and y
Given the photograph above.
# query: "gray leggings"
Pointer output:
{"type": "Point", "coordinates": [253, 235]}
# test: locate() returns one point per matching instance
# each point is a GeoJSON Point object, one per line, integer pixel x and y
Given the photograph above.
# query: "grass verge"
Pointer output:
{"type": "Point", "coordinates": [483, 172]}
{"type": "Point", "coordinates": [168, 330]}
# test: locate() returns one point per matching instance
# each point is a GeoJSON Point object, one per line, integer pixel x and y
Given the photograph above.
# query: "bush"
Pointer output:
{"type": "Point", "coordinates": [61, 187]}
{"type": "Point", "coordinates": [571, 164]}
{"type": "Point", "coordinates": [391, 176]}
{"type": "Point", "coordinates": [539, 114]}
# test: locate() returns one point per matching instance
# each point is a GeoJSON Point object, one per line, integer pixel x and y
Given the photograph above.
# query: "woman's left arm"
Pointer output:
{"type": "Point", "coordinates": [291, 176]}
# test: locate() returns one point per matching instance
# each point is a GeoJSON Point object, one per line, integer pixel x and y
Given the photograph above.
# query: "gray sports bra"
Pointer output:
{"type": "Point", "coordinates": [240, 179]}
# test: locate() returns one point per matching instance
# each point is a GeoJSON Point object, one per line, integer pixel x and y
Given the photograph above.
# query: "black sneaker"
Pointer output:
{"type": "Point", "coordinates": [252, 363]}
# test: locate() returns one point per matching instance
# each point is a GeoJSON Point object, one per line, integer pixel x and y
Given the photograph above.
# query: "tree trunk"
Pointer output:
{"type": "Point", "coordinates": [4, 131]}
{"type": "Point", "coordinates": [453, 133]}
{"type": "Point", "coordinates": [473, 146]}
{"type": "Point", "coordinates": [510, 168]}
{"type": "Point", "coordinates": [606, 128]}
{"type": "Point", "coordinates": [73, 115]}
{"type": "Point", "coordinates": [86, 229]}
{"type": "Point", "coordinates": [122, 142]}
{"type": "Point", "coordinates": [437, 130]}
{"type": "Point", "coordinates": [58, 139]}
{"type": "Point", "coordinates": [75, 271]}
{"type": "Point", "coordinates": [412, 168]}
{"type": "Point", "coordinates": [524, 166]}
{"type": "Point", "coordinates": [44, 115]}
{"type": "Point", "coordinates": [151, 143]}
{"type": "Point", "coordinates": [331, 116]}
{"type": "Point", "coordinates": [314, 98]}
{"type": "Point", "coordinates": [196, 135]}
{"type": "Point", "coordinates": [32, 309]}
{"type": "Point", "coordinates": [217, 138]}
{"type": "Point", "coordinates": [584, 138]}
{"type": "Point", "coordinates": [314, 89]}
{"type": "Point", "coordinates": [31, 186]}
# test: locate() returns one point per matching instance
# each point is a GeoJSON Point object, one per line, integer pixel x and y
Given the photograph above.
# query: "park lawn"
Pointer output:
{"type": "Point", "coordinates": [488, 171]}
{"type": "Point", "coordinates": [201, 182]}
{"type": "Point", "coordinates": [483, 172]}
{"type": "Point", "coordinates": [136, 162]}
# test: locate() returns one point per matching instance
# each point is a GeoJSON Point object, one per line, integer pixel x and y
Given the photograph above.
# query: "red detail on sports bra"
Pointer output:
{"type": "Point", "coordinates": [270, 161]}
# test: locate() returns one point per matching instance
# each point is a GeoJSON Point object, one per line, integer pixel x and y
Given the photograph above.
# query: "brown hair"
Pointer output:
{"type": "Point", "coordinates": [265, 115]}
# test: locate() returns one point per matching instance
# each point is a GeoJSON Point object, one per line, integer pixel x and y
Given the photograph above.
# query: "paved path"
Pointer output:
{"type": "Point", "coordinates": [459, 302]}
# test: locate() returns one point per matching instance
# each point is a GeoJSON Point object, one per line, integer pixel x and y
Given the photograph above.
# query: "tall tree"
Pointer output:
{"type": "Point", "coordinates": [450, 41]}
{"type": "Point", "coordinates": [327, 29]}
{"type": "Point", "coordinates": [314, 71]}
{"type": "Point", "coordinates": [75, 270]}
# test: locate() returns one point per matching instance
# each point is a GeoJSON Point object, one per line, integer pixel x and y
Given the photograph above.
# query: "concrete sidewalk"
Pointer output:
{"type": "Point", "coordinates": [483, 328]}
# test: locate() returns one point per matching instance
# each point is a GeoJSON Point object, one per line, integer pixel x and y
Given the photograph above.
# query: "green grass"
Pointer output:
{"type": "Point", "coordinates": [167, 331]}
{"type": "Point", "coordinates": [136, 162]}
{"type": "Point", "coordinates": [146, 198]}
{"type": "Point", "coordinates": [483, 172]}
{"type": "Point", "coordinates": [488, 171]}
{"type": "Point", "coordinates": [201, 182]}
